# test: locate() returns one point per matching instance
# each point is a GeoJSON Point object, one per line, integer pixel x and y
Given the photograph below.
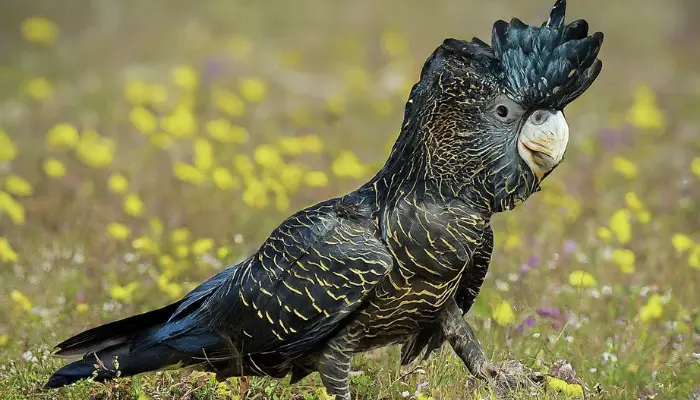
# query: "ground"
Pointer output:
{"type": "Point", "coordinates": [144, 147]}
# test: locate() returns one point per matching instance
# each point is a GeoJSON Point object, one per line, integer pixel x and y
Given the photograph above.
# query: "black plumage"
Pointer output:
{"type": "Point", "coordinates": [400, 259]}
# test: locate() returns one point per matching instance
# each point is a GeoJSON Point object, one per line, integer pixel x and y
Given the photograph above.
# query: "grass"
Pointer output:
{"type": "Point", "coordinates": [143, 148]}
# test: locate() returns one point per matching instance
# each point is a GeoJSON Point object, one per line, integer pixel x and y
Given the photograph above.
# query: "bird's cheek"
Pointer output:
{"type": "Point", "coordinates": [542, 141]}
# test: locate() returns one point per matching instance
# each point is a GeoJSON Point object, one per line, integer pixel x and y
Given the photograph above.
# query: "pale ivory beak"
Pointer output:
{"type": "Point", "coordinates": [542, 141]}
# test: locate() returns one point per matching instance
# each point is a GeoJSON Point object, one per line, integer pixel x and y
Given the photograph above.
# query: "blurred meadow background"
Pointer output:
{"type": "Point", "coordinates": [146, 145]}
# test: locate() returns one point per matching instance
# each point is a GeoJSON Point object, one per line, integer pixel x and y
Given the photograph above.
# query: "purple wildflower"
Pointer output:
{"type": "Point", "coordinates": [524, 268]}
{"type": "Point", "coordinates": [570, 246]}
{"type": "Point", "coordinates": [533, 261]}
{"type": "Point", "coordinates": [548, 312]}
{"type": "Point", "coordinates": [530, 321]}
{"type": "Point", "coordinates": [214, 67]}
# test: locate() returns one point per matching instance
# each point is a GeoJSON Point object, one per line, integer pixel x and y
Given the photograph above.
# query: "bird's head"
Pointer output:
{"type": "Point", "coordinates": [489, 120]}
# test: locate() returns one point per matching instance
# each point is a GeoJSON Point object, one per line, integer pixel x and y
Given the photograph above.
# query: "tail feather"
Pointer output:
{"type": "Point", "coordinates": [114, 333]}
{"type": "Point", "coordinates": [174, 335]}
{"type": "Point", "coordinates": [104, 352]}
{"type": "Point", "coordinates": [115, 362]}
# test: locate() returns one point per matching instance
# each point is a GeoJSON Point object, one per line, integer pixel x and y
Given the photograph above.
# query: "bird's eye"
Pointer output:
{"type": "Point", "coordinates": [502, 111]}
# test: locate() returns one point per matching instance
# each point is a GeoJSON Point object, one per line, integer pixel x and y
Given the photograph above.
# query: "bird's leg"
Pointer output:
{"type": "Point", "coordinates": [334, 367]}
{"type": "Point", "coordinates": [459, 333]}
{"type": "Point", "coordinates": [464, 342]}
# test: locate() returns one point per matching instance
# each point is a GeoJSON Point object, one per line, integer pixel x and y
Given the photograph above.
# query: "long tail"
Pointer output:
{"type": "Point", "coordinates": [104, 351]}
{"type": "Point", "coordinates": [114, 362]}
{"type": "Point", "coordinates": [173, 336]}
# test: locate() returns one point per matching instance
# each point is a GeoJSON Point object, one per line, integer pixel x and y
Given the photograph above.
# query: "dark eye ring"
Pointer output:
{"type": "Point", "coordinates": [502, 111]}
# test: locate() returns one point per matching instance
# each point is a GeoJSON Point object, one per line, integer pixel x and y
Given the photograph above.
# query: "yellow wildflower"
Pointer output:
{"type": "Point", "coordinates": [145, 244]}
{"type": "Point", "coordinates": [95, 151]}
{"type": "Point", "coordinates": [201, 246]}
{"type": "Point", "coordinates": [21, 301]}
{"type": "Point", "coordinates": [181, 251]}
{"type": "Point", "coordinates": [694, 257]}
{"type": "Point", "coordinates": [267, 156]}
{"type": "Point", "coordinates": [8, 150]}
{"type": "Point", "coordinates": [347, 165]}
{"type": "Point", "coordinates": [634, 203]}
{"type": "Point", "coordinates": [81, 307]}
{"type": "Point", "coordinates": [7, 253]}
{"type": "Point", "coordinates": [625, 167]}
{"type": "Point", "coordinates": [620, 225]}
{"type": "Point", "coordinates": [315, 179]}
{"type": "Point", "coordinates": [117, 183]}
{"type": "Point", "coordinates": [143, 120]}
{"type": "Point", "coordinates": [39, 30]}
{"type": "Point", "coordinates": [171, 289]}
{"type": "Point", "coordinates": [223, 179]}
{"type": "Point", "coordinates": [156, 225]}
{"type": "Point", "coordinates": [244, 165]}
{"type": "Point", "coordinates": [253, 90]}
{"type": "Point", "coordinates": [38, 88]}
{"type": "Point", "coordinates": [12, 208]}
{"type": "Point", "coordinates": [291, 145]}
{"type": "Point", "coordinates": [4, 338]}
{"type": "Point", "coordinates": [336, 104]}
{"type": "Point", "coordinates": [181, 122]}
{"type": "Point", "coordinates": [188, 173]}
{"type": "Point", "coordinates": [312, 143]}
{"type": "Point", "coordinates": [228, 102]}
{"type": "Point", "coordinates": [166, 261]}
{"type": "Point", "coordinates": [255, 194]}
{"type": "Point", "coordinates": [54, 168]}
{"type": "Point", "coordinates": [133, 205]}
{"type": "Point", "coordinates": [644, 217]}
{"type": "Point", "coordinates": [654, 309]}
{"type": "Point", "coordinates": [124, 293]}
{"type": "Point", "coordinates": [203, 154]}
{"type": "Point", "coordinates": [503, 313]}
{"type": "Point", "coordinates": [156, 94]}
{"type": "Point", "coordinates": [291, 176]}
{"type": "Point", "coordinates": [512, 241]}
{"type": "Point", "coordinates": [282, 202]}
{"type": "Point", "coordinates": [136, 92]}
{"type": "Point", "coordinates": [582, 279]}
{"type": "Point", "coordinates": [180, 235]}
{"type": "Point", "coordinates": [18, 186]}
{"type": "Point", "coordinates": [682, 242]}
{"type": "Point", "coordinates": [218, 129]}
{"type": "Point", "coordinates": [62, 136]}
{"type": "Point", "coordinates": [695, 166]}
{"type": "Point", "coordinates": [161, 140]}
{"type": "Point", "coordinates": [118, 231]}
{"type": "Point", "coordinates": [625, 259]}
{"type": "Point", "coordinates": [560, 385]}
{"type": "Point", "coordinates": [186, 77]}
{"type": "Point", "coordinates": [604, 233]}
{"type": "Point", "coordinates": [644, 112]}
{"type": "Point", "coordinates": [222, 252]}
{"type": "Point", "coordinates": [394, 43]}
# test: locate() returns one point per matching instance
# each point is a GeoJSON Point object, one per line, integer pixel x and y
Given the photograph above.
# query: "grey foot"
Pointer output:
{"type": "Point", "coordinates": [509, 376]}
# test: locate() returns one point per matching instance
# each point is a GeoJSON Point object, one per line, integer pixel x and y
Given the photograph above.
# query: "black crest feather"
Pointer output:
{"type": "Point", "coordinates": [549, 66]}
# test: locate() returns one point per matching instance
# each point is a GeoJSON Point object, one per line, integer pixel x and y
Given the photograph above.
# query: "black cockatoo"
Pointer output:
{"type": "Point", "coordinates": [399, 260]}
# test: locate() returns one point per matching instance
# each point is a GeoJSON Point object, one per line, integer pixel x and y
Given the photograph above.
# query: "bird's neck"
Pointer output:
{"type": "Point", "coordinates": [409, 169]}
